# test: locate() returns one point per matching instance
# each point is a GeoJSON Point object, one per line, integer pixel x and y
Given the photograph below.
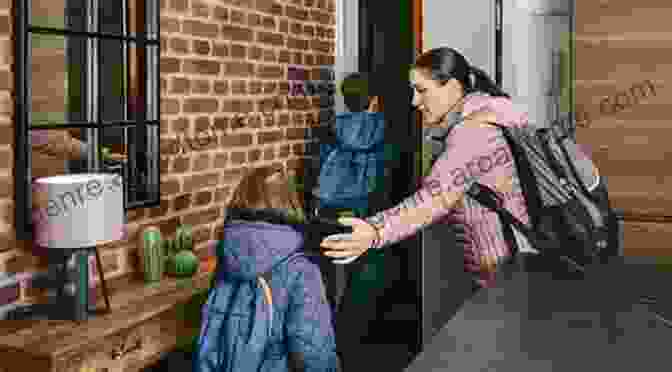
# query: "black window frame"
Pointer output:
{"type": "Point", "coordinates": [143, 154]}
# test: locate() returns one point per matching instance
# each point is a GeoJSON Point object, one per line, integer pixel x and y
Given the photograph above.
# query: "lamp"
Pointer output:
{"type": "Point", "coordinates": [72, 215]}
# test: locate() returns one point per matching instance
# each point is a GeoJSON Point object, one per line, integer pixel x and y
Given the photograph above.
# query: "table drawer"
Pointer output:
{"type": "Point", "coordinates": [129, 350]}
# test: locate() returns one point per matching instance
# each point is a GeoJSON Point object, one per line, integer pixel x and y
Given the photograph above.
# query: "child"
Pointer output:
{"type": "Point", "coordinates": [239, 331]}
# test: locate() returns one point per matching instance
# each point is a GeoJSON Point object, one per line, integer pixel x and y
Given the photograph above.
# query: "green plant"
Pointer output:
{"type": "Point", "coordinates": [184, 240]}
{"type": "Point", "coordinates": [183, 264]}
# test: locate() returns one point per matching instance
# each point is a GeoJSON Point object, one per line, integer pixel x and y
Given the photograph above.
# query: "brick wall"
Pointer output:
{"type": "Point", "coordinates": [220, 59]}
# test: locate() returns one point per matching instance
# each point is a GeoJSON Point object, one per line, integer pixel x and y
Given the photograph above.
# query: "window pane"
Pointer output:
{"type": "Point", "coordinates": [139, 158]}
{"type": "Point", "coordinates": [113, 80]}
{"type": "Point", "coordinates": [111, 16]}
{"type": "Point", "coordinates": [136, 104]}
{"type": "Point", "coordinates": [56, 151]}
{"type": "Point", "coordinates": [57, 79]}
{"type": "Point", "coordinates": [60, 14]}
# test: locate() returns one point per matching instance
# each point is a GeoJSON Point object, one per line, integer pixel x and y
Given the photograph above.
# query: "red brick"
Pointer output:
{"type": "Point", "coordinates": [159, 211]}
{"type": "Point", "coordinates": [270, 38]}
{"type": "Point", "coordinates": [181, 164]}
{"type": "Point", "coordinates": [200, 9]}
{"type": "Point", "coordinates": [319, 17]}
{"type": "Point", "coordinates": [200, 29]}
{"type": "Point", "coordinates": [221, 160]}
{"type": "Point", "coordinates": [202, 162]}
{"type": "Point", "coordinates": [238, 51]}
{"type": "Point", "coordinates": [284, 56]}
{"type": "Point", "coordinates": [202, 198]}
{"type": "Point", "coordinates": [237, 140]}
{"type": "Point", "coordinates": [201, 66]}
{"type": "Point", "coordinates": [320, 46]}
{"type": "Point", "coordinates": [284, 151]}
{"type": "Point", "coordinates": [200, 86]}
{"type": "Point", "coordinates": [296, 13]}
{"type": "Point", "coordinates": [5, 25]}
{"type": "Point", "coordinates": [255, 53]}
{"type": "Point", "coordinates": [169, 25]}
{"type": "Point", "coordinates": [296, 28]}
{"type": "Point", "coordinates": [6, 80]}
{"type": "Point", "coordinates": [294, 134]}
{"type": "Point", "coordinates": [269, 137]}
{"type": "Point", "coordinates": [237, 16]}
{"type": "Point", "coordinates": [269, 23]}
{"type": "Point", "coordinates": [309, 30]}
{"type": "Point", "coordinates": [310, 60]}
{"type": "Point", "coordinates": [169, 65]}
{"type": "Point", "coordinates": [269, 154]}
{"type": "Point", "coordinates": [254, 20]}
{"type": "Point", "coordinates": [200, 181]}
{"type": "Point", "coordinates": [238, 157]}
{"type": "Point", "coordinates": [180, 124]}
{"type": "Point", "coordinates": [221, 14]}
{"type": "Point", "coordinates": [293, 43]}
{"type": "Point", "coordinates": [179, 5]}
{"type": "Point", "coordinates": [269, 55]}
{"type": "Point", "coordinates": [222, 193]}
{"type": "Point", "coordinates": [182, 202]}
{"type": "Point", "coordinates": [205, 105]}
{"type": "Point", "coordinates": [284, 26]}
{"type": "Point", "coordinates": [237, 33]}
{"type": "Point", "coordinates": [170, 186]}
{"type": "Point", "coordinates": [220, 50]}
{"type": "Point", "coordinates": [180, 46]}
{"type": "Point", "coordinates": [221, 87]}
{"type": "Point", "coordinates": [201, 47]}
{"type": "Point", "coordinates": [201, 217]}
{"type": "Point", "coordinates": [238, 87]}
{"type": "Point", "coordinates": [269, 6]}
{"type": "Point", "coordinates": [170, 106]}
{"type": "Point", "coordinates": [179, 85]}
{"type": "Point", "coordinates": [270, 72]}
{"type": "Point", "coordinates": [238, 68]}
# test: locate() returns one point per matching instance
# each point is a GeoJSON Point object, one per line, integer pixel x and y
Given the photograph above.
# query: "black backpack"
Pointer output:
{"type": "Point", "coordinates": [568, 221]}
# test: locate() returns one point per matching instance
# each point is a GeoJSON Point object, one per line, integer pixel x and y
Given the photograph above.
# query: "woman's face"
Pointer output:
{"type": "Point", "coordinates": [432, 98]}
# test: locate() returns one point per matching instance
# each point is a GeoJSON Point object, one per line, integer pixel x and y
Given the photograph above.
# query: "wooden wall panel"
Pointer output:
{"type": "Point", "coordinates": [619, 44]}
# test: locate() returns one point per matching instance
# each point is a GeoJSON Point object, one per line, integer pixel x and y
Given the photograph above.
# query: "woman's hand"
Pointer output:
{"type": "Point", "coordinates": [348, 247]}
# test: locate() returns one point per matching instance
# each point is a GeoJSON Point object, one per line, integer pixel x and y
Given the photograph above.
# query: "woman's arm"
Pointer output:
{"type": "Point", "coordinates": [473, 153]}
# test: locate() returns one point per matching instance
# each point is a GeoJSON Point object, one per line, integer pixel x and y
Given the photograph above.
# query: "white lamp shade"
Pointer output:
{"type": "Point", "coordinates": [78, 210]}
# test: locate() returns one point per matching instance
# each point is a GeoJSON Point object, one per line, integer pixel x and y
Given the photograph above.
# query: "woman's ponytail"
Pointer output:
{"type": "Point", "coordinates": [481, 82]}
{"type": "Point", "coordinates": [444, 64]}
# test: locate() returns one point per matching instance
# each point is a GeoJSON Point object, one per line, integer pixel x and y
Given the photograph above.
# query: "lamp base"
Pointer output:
{"type": "Point", "coordinates": [64, 308]}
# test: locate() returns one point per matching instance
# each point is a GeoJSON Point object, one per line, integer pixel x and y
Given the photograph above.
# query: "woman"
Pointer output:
{"type": "Point", "coordinates": [447, 90]}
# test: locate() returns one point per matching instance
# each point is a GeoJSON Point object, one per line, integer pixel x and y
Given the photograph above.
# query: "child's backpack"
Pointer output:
{"type": "Point", "coordinates": [568, 221]}
{"type": "Point", "coordinates": [236, 339]}
{"type": "Point", "coordinates": [352, 161]}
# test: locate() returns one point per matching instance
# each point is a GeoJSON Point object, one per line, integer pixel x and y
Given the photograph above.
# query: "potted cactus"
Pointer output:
{"type": "Point", "coordinates": [182, 262]}
{"type": "Point", "coordinates": [151, 254]}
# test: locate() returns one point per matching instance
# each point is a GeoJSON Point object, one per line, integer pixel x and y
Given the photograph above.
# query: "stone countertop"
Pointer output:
{"type": "Point", "coordinates": [532, 322]}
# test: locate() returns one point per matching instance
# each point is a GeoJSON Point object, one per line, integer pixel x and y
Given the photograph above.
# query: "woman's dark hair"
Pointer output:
{"type": "Point", "coordinates": [355, 90]}
{"type": "Point", "coordinates": [444, 64]}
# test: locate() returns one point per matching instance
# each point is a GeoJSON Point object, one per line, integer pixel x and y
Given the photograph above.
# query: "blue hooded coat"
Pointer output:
{"type": "Point", "coordinates": [235, 334]}
{"type": "Point", "coordinates": [352, 165]}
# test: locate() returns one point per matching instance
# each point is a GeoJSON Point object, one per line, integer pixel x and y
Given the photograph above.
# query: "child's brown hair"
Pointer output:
{"type": "Point", "coordinates": [268, 188]}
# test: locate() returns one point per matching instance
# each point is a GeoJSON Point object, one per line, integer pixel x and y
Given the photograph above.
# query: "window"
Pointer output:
{"type": "Point", "coordinates": [87, 95]}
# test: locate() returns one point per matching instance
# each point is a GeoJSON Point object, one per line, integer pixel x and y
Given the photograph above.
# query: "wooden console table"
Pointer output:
{"type": "Point", "coordinates": [143, 326]}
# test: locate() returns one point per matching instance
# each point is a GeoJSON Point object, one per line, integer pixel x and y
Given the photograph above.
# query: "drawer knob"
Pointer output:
{"type": "Point", "coordinates": [122, 351]}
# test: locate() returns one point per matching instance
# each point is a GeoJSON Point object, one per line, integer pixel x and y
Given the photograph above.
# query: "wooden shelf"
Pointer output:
{"type": "Point", "coordinates": [139, 310]}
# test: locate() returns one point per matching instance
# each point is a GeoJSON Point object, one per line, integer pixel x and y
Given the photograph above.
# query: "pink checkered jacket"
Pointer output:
{"type": "Point", "coordinates": [473, 154]}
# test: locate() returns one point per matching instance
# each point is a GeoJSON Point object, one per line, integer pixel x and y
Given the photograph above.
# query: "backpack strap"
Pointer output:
{"type": "Point", "coordinates": [263, 280]}
{"type": "Point", "coordinates": [487, 197]}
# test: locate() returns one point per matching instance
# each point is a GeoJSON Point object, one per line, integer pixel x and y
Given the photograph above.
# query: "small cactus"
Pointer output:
{"type": "Point", "coordinates": [184, 239]}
